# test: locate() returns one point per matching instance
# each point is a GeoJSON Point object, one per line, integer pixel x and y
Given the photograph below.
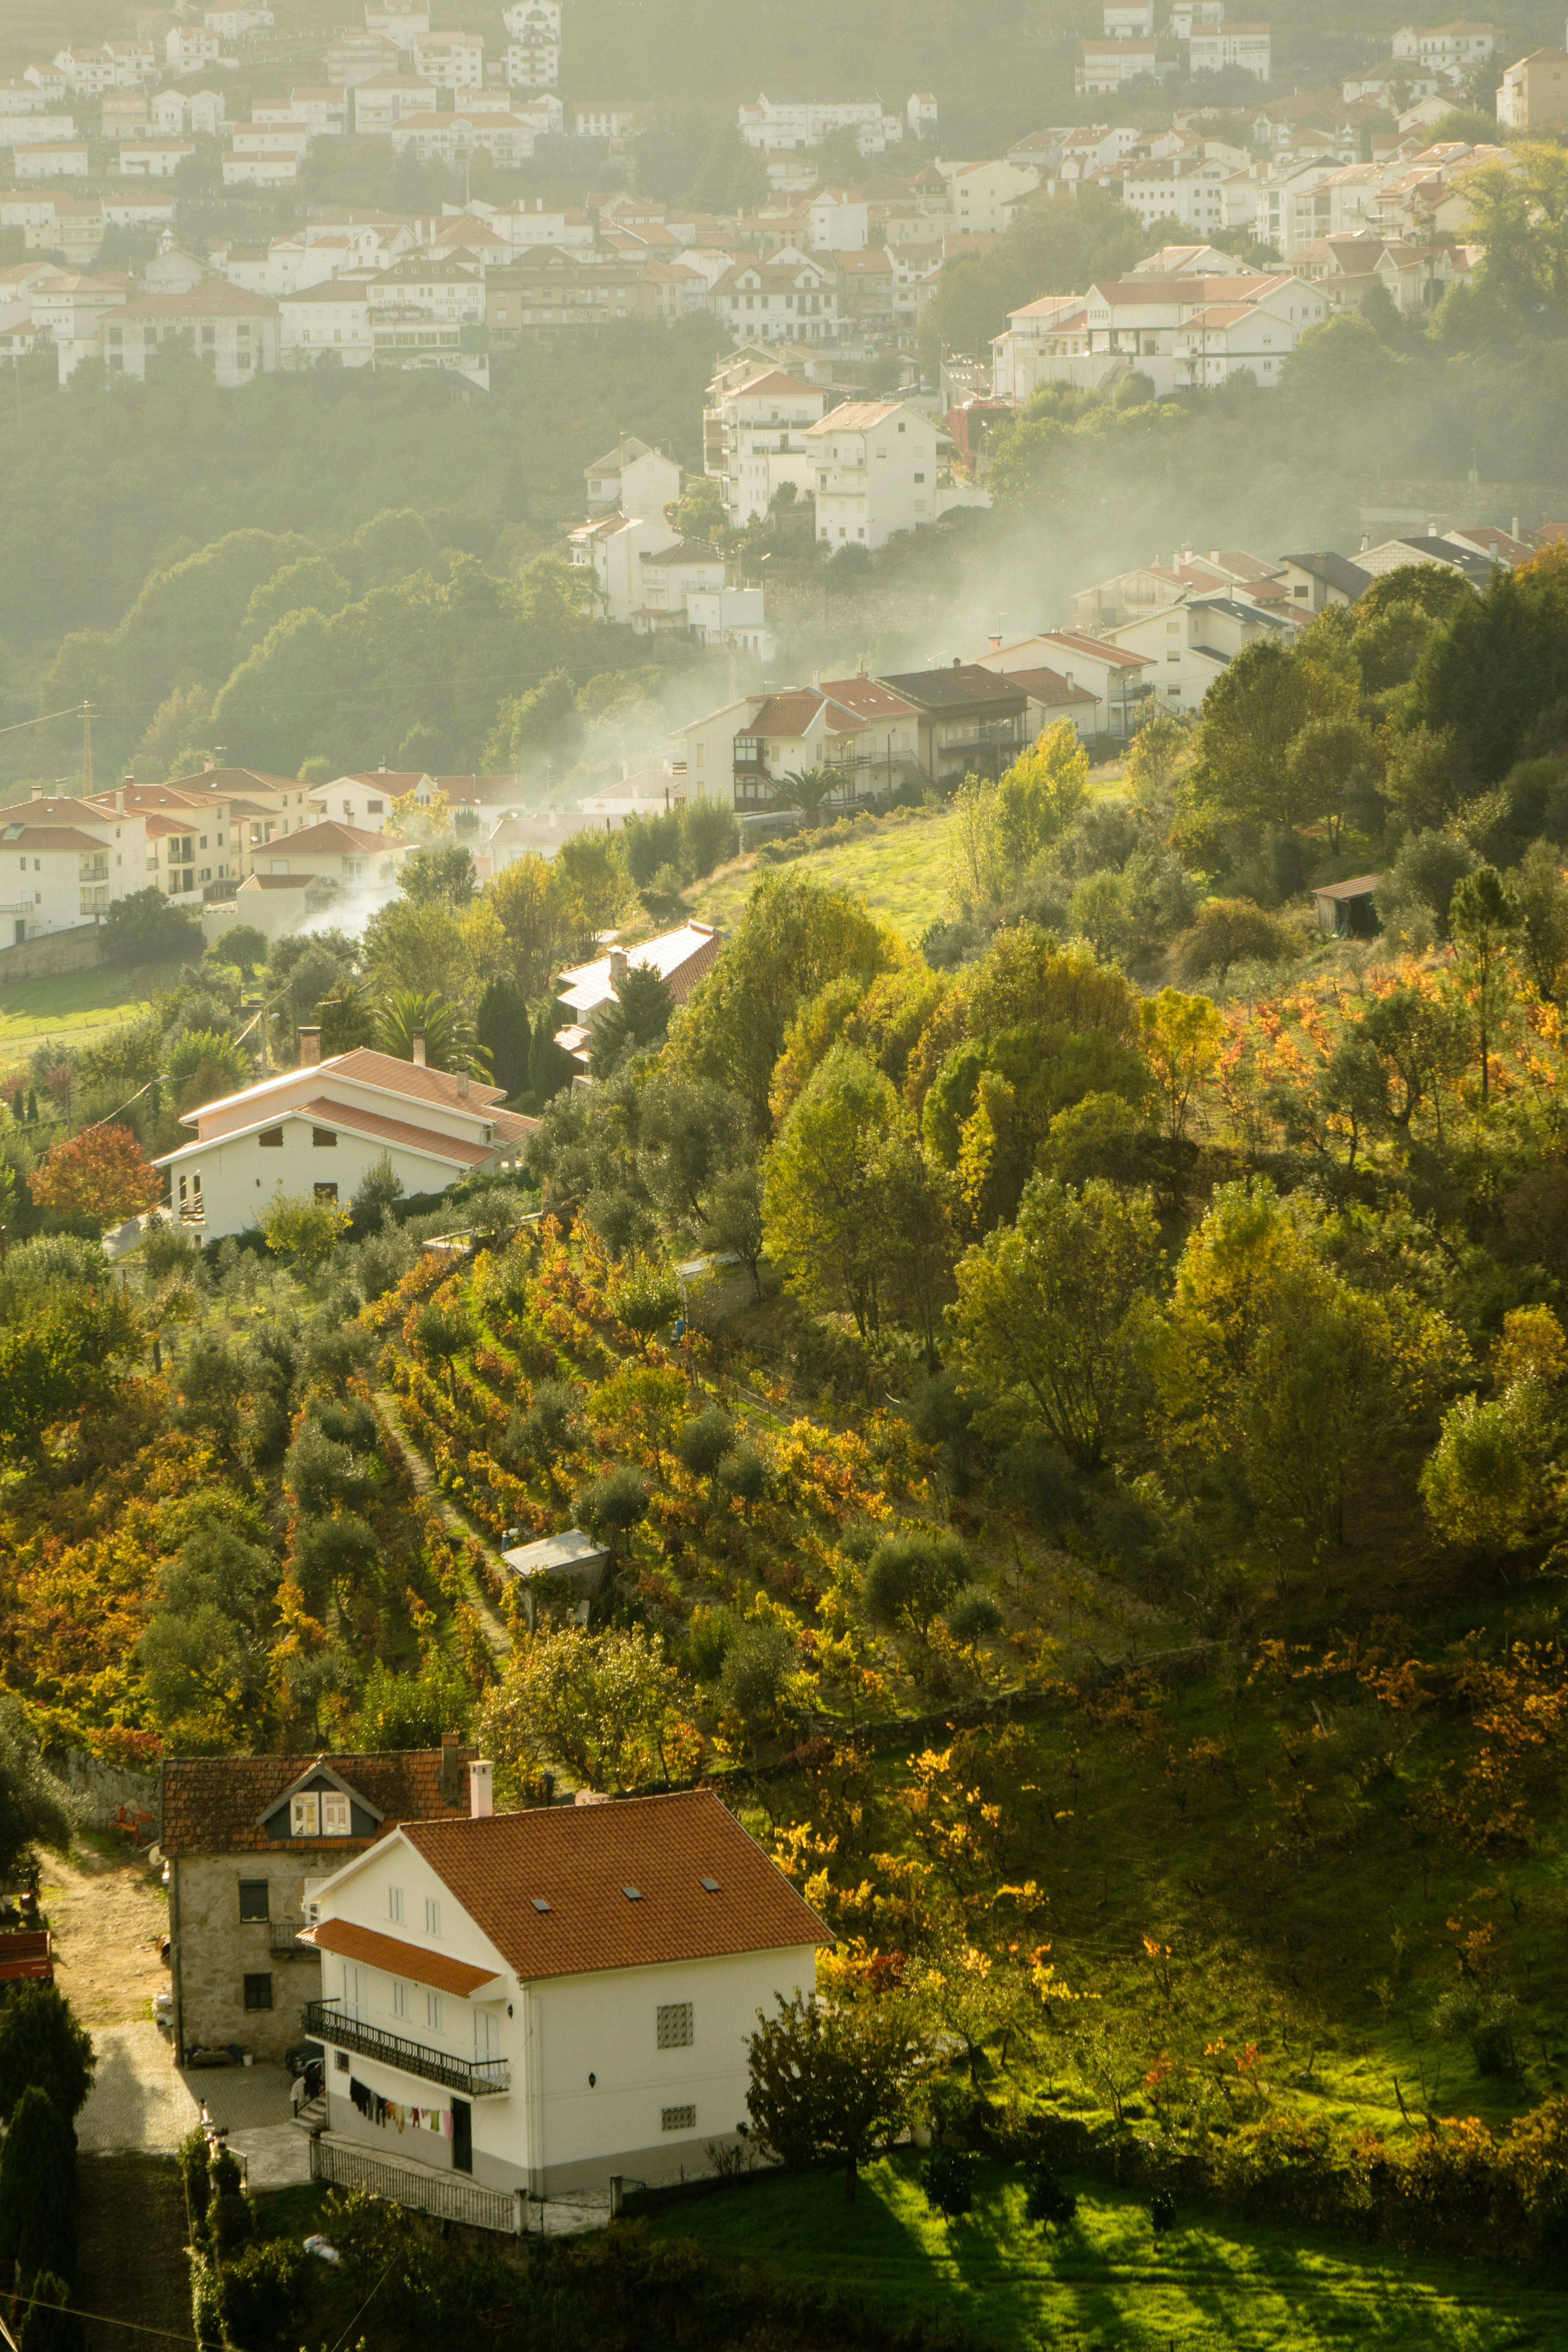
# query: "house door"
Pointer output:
{"type": "Point", "coordinates": [462, 2136]}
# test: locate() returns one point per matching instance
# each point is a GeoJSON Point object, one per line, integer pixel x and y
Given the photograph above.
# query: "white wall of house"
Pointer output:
{"type": "Point", "coordinates": [553, 2128]}
{"type": "Point", "coordinates": [227, 1183]}
{"type": "Point", "coordinates": [874, 476]}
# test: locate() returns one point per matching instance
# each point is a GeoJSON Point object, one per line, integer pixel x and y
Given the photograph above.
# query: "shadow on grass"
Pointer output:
{"type": "Point", "coordinates": [1108, 2280]}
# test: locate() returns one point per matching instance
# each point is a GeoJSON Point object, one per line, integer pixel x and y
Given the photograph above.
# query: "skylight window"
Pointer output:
{"type": "Point", "coordinates": [539, 1902]}
{"type": "Point", "coordinates": [711, 1885]}
{"type": "Point", "coordinates": [632, 1894]}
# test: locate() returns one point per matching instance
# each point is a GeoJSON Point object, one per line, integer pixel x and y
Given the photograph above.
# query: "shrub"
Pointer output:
{"type": "Point", "coordinates": [42, 2045]}
{"type": "Point", "coordinates": [973, 1617]}
{"type": "Point", "coordinates": [948, 2179]}
{"type": "Point", "coordinates": [611, 1506]}
{"type": "Point", "coordinates": [261, 2296]}
{"type": "Point", "coordinates": [37, 2186]}
{"type": "Point", "coordinates": [911, 1579]}
{"type": "Point", "coordinates": [1048, 2203]}
{"type": "Point", "coordinates": [705, 1440]}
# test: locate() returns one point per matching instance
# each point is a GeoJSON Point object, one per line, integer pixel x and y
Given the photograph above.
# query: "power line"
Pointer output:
{"type": "Point", "coordinates": [103, 2319]}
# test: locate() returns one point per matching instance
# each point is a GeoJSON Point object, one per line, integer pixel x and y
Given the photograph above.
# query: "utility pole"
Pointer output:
{"type": "Point", "coordinates": [87, 751]}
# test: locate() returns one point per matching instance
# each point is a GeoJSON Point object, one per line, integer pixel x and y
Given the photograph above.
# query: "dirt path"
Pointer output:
{"type": "Point", "coordinates": [495, 1632]}
{"type": "Point", "coordinates": [109, 1915]}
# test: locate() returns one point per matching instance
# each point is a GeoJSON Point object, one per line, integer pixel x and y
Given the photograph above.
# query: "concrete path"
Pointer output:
{"type": "Point", "coordinates": [139, 2101]}
{"type": "Point", "coordinates": [396, 1434]}
{"type": "Point", "coordinates": [142, 2104]}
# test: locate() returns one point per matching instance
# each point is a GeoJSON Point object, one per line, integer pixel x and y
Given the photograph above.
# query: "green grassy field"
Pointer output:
{"type": "Point", "coordinates": [899, 872]}
{"type": "Point", "coordinates": [75, 1005]}
{"type": "Point", "coordinates": [1107, 2281]}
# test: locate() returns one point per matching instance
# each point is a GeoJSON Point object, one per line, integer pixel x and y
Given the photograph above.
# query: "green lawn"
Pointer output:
{"type": "Point", "coordinates": [899, 872]}
{"type": "Point", "coordinates": [75, 1005]}
{"type": "Point", "coordinates": [1107, 2281]}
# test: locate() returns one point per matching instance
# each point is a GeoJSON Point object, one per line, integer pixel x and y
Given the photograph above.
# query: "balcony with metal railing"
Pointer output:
{"type": "Point", "coordinates": [476, 2078]}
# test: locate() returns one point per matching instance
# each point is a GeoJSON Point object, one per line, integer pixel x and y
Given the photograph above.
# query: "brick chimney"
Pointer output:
{"type": "Point", "coordinates": [420, 1049]}
{"type": "Point", "coordinates": [451, 1768]}
{"type": "Point", "coordinates": [310, 1049]}
{"type": "Point", "coordinates": [481, 1795]}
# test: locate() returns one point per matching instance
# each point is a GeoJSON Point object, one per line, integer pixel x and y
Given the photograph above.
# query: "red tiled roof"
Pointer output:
{"type": "Point", "coordinates": [409, 1078]}
{"type": "Point", "coordinates": [213, 1804]}
{"type": "Point", "coordinates": [399, 1960]}
{"type": "Point", "coordinates": [1047, 686]}
{"type": "Point", "coordinates": [581, 1859]}
{"type": "Point", "coordinates": [327, 1113]}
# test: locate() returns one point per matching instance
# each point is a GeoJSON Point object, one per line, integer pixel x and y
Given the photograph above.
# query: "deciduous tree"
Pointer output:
{"type": "Point", "coordinates": [100, 1173]}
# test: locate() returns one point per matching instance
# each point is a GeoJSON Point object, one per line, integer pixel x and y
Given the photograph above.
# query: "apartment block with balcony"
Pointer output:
{"type": "Point", "coordinates": [867, 735]}
{"type": "Point", "coordinates": [63, 861]}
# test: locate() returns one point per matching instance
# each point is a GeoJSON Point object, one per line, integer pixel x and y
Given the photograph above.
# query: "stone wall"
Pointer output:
{"type": "Point", "coordinates": [215, 1950]}
{"type": "Point", "coordinates": [78, 949]}
{"type": "Point", "coordinates": [102, 1791]}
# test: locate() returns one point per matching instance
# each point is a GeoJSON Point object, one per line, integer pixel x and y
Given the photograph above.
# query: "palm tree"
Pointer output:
{"type": "Point", "coordinates": [449, 1040]}
{"type": "Point", "coordinates": [806, 789]}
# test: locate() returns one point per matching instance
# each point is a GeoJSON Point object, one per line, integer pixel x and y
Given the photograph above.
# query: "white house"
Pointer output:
{"type": "Point", "coordinates": [1192, 643]}
{"type": "Point", "coordinates": [329, 321]}
{"type": "Point", "coordinates": [319, 1129]}
{"type": "Point", "coordinates": [188, 47]}
{"type": "Point", "coordinates": [335, 853]}
{"type": "Point", "coordinates": [981, 196]}
{"type": "Point", "coordinates": [775, 125]}
{"type": "Point", "coordinates": [155, 159]}
{"type": "Point", "coordinates": [1106, 65]}
{"type": "Point", "coordinates": [867, 734]}
{"type": "Point", "coordinates": [383, 102]}
{"type": "Point", "coordinates": [62, 861]}
{"type": "Point", "coordinates": [1118, 677]}
{"type": "Point", "coordinates": [878, 472]}
{"type": "Point", "coordinates": [1248, 47]}
{"type": "Point", "coordinates": [633, 479]}
{"type": "Point", "coordinates": [680, 958]}
{"type": "Point", "coordinates": [1460, 44]}
{"type": "Point", "coordinates": [541, 2000]}
{"type": "Point", "coordinates": [451, 60]}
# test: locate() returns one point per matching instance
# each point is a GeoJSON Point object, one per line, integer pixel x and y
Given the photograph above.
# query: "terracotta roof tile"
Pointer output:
{"type": "Point", "coordinates": [212, 1804]}
{"type": "Point", "coordinates": [399, 1960]}
{"type": "Point", "coordinates": [581, 1859]}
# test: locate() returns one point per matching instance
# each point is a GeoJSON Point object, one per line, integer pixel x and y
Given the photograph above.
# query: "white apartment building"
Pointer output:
{"type": "Point", "coordinates": [878, 472]}
{"type": "Point", "coordinates": [791, 299]}
{"type": "Point", "coordinates": [1189, 190]}
{"type": "Point", "coordinates": [504, 137]}
{"type": "Point", "coordinates": [386, 101]}
{"type": "Point", "coordinates": [89, 72]}
{"type": "Point", "coordinates": [231, 20]}
{"type": "Point", "coordinates": [1129, 20]}
{"type": "Point", "coordinates": [755, 440]}
{"type": "Point", "coordinates": [1188, 16]}
{"type": "Point", "coordinates": [453, 61]}
{"type": "Point", "coordinates": [153, 158]}
{"type": "Point", "coordinates": [188, 47]}
{"type": "Point", "coordinates": [1460, 43]}
{"type": "Point", "coordinates": [981, 196]}
{"type": "Point", "coordinates": [1106, 66]}
{"type": "Point", "coordinates": [176, 114]}
{"type": "Point", "coordinates": [242, 170]}
{"type": "Point", "coordinates": [1247, 47]}
{"type": "Point", "coordinates": [1120, 678]}
{"type": "Point", "coordinates": [234, 333]}
{"type": "Point", "coordinates": [62, 861]}
{"type": "Point", "coordinates": [533, 59]}
{"type": "Point", "coordinates": [1045, 342]}
{"type": "Point", "coordinates": [778, 125]}
{"type": "Point", "coordinates": [52, 159]}
{"type": "Point", "coordinates": [37, 130]}
{"type": "Point", "coordinates": [327, 323]}
{"type": "Point", "coordinates": [865, 732]}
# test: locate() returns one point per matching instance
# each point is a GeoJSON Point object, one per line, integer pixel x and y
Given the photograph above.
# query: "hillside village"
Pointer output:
{"type": "Point", "coordinates": [784, 1374]}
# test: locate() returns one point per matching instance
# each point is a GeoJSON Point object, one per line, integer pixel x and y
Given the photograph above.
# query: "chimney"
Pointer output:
{"type": "Point", "coordinates": [208, 764]}
{"type": "Point", "coordinates": [482, 1797]}
{"type": "Point", "coordinates": [451, 1768]}
{"type": "Point", "coordinates": [462, 1086]}
{"type": "Point", "coordinates": [997, 641]}
{"type": "Point", "coordinates": [618, 969]}
{"type": "Point", "coordinates": [418, 1049]}
{"type": "Point", "coordinates": [817, 679]}
{"type": "Point", "coordinates": [310, 1049]}
{"type": "Point", "coordinates": [1515, 531]}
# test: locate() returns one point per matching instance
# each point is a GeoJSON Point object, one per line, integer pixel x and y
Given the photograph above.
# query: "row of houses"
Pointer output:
{"type": "Point", "coordinates": [224, 833]}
